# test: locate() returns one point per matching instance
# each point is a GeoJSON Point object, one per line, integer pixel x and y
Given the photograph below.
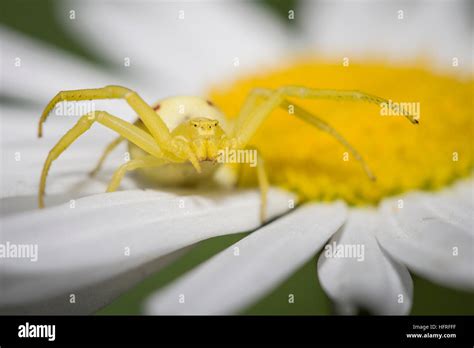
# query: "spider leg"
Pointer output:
{"type": "Point", "coordinates": [262, 179]}
{"type": "Point", "coordinates": [325, 127]}
{"type": "Point", "coordinates": [183, 152]}
{"type": "Point", "coordinates": [263, 185]}
{"type": "Point", "coordinates": [130, 132]}
{"type": "Point", "coordinates": [110, 147]}
{"type": "Point", "coordinates": [143, 162]}
{"type": "Point", "coordinates": [145, 112]}
{"type": "Point", "coordinates": [316, 122]}
{"type": "Point", "coordinates": [249, 122]}
{"type": "Point", "coordinates": [250, 103]}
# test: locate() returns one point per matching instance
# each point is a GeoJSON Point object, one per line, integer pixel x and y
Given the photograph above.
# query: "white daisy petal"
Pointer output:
{"type": "Point", "coordinates": [23, 155]}
{"type": "Point", "coordinates": [253, 266]}
{"type": "Point", "coordinates": [404, 30]}
{"type": "Point", "coordinates": [355, 271]}
{"type": "Point", "coordinates": [464, 191]}
{"type": "Point", "coordinates": [36, 71]}
{"type": "Point", "coordinates": [432, 235]}
{"type": "Point", "coordinates": [181, 47]}
{"type": "Point", "coordinates": [80, 248]}
{"type": "Point", "coordinates": [456, 206]}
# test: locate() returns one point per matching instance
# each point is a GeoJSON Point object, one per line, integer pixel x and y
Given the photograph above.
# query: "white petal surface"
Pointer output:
{"type": "Point", "coordinates": [433, 234]}
{"type": "Point", "coordinates": [252, 267]}
{"type": "Point", "coordinates": [23, 155]}
{"type": "Point", "coordinates": [379, 30]}
{"type": "Point", "coordinates": [183, 46]}
{"type": "Point", "coordinates": [81, 248]}
{"type": "Point", "coordinates": [354, 271]}
{"type": "Point", "coordinates": [33, 70]}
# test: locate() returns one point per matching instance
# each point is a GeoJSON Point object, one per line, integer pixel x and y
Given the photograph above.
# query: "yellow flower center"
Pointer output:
{"type": "Point", "coordinates": [402, 156]}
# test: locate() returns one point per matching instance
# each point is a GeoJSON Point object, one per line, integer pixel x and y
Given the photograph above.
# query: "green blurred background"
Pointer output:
{"type": "Point", "coordinates": [37, 19]}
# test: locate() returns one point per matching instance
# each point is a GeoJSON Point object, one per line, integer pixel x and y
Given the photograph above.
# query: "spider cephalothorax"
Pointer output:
{"type": "Point", "coordinates": [204, 136]}
{"type": "Point", "coordinates": [178, 140]}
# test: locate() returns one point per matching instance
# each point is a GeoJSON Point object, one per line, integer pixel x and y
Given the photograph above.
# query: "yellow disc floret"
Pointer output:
{"type": "Point", "coordinates": [402, 156]}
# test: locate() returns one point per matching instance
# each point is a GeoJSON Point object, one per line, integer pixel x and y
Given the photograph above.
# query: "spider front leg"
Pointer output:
{"type": "Point", "coordinates": [137, 163]}
{"type": "Point", "coordinates": [253, 114]}
{"type": "Point", "coordinates": [182, 149]}
{"type": "Point", "coordinates": [155, 125]}
{"type": "Point", "coordinates": [250, 118]}
{"type": "Point", "coordinates": [130, 132]}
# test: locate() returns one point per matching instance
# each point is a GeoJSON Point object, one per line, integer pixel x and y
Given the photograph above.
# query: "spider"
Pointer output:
{"type": "Point", "coordinates": [176, 134]}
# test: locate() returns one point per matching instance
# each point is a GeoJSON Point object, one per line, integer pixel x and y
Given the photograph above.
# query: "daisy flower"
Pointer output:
{"type": "Point", "coordinates": [416, 217]}
{"type": "Point", "coordinates": [406, 220]}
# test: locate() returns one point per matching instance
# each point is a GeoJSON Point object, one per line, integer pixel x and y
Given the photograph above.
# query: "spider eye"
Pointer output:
{"type": "Point", "coordinates": [195, 125]}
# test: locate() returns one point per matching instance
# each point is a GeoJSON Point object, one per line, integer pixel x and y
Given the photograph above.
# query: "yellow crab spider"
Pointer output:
{"type": "Point", "coordinates": [177, 140]}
